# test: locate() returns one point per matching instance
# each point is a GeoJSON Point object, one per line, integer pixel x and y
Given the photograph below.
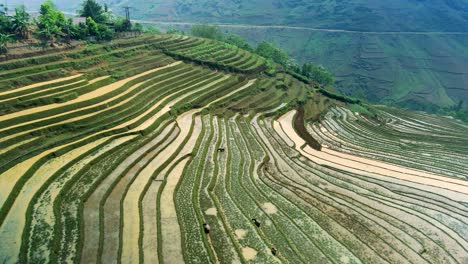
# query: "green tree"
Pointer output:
{"type": "Point", "coordinates": [93, 28]}
{"type": "Point", "coordinates": [5, 21]}
{"type": "Point", "coordinates": [269, 51]}
{"type": "Point", "coordinates": [81, 31]}
{"type": "Point", "coordinates": [69, 30]}
{"type": "Point", "coordinates": [318, 74]}
{"type": "Point", "coordinates": [99, 31]}
{"type": "Point", "coordinates": [50, 22]}
{"type": "Point", "coordinates": [207, 31]}
{"type": "Point", "coordinates": [238, 41]}
{"type": "Point", "coordinates": [122, 24]}
{"type": "Point", "coordinates": [92, 9]}
{"type": "Point", "coordinates": [462, 114]}
{"type": "Point", "coordinates": [20, 22]}
{"type": "Point", "coordinates": [459, 106]}
{"type": "Point", "coordinates": [152, 29]}
{"type": "Point", "coordinates": [174, 31]}
{"type": "Point", "coordinates": [138, 27]}
{"type": "Point", "coordinates": [105, 33]}
{"type": "Point", "coordinates": [4, 39]}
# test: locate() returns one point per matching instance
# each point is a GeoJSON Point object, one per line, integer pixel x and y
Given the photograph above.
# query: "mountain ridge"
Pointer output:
{"type": "Point", "coordinates": [399, 15]}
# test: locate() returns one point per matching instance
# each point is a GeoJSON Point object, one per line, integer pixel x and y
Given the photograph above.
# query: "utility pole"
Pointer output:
{"type": "Point", "coordinates": [127, 12]}
{"type": "Point", "coordinates": [127, 23]}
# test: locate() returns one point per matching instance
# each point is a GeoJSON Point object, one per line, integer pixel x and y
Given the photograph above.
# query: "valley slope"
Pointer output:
{"type": "Point", "coordinates": [417, 71]}
{"type": "Point", "coordinates": [175, 149]}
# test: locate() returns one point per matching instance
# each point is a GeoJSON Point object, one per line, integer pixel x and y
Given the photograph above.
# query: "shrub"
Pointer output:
{"type": "Point", "coordinates": [206, 31]}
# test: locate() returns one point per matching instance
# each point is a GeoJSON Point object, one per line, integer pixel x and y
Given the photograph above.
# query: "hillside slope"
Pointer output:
{"type": "Point", "coordinates": [422, 72]}
{"type": "Point", "coordinates": [173, 149]}
{"type": "Point", "coordinates": [374, 15]}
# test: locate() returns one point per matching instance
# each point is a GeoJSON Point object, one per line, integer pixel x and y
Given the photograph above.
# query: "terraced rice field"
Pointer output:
{"type": "Point", "coordinates": [152, 146]}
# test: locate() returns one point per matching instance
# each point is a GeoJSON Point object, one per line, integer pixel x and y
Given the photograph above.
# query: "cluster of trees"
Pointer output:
{"type": "Point", "coordinates": [207, 31]}
{"type": "Point", "coordinates": [13, 27]}
{"type": "Point", "coordinates": [458, 111]}
{"type": "Point", "coordinates": [52, 26]}
{"type": "Point", "coordinates": [461, 114]}
{"type": "Point", "coordinates": [269, 51]}
{"type": "Point", "coordinates": [316, 73]}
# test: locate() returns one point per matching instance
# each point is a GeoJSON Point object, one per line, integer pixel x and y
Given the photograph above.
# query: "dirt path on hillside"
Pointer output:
{"type": "Point", "coordinates": [150, 223]}
{"type": "Point", "coordinates": [4, 150]}
{"type": "Point", "coordinates": [279, 130]}
{"type": "Point", "coordinates": [39, 84]}
{"type": "Point", "coordinates": [42, 90]}
{"type": "Point", "coordinates": [452, 190]}
{"type": "Point", "coordinates": [85, 84]}
{"type": "Point", "coordinates": [96, 93]}
{"type": "Point", "coordinates": [171, 237]}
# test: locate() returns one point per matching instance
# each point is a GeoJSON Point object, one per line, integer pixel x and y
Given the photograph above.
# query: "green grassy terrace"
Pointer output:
{"type": "Point", "coordinates": [125, 151]}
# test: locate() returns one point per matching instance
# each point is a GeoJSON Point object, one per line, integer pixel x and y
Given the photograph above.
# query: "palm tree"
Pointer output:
{"type": "Point", "coordinates": [20, 23]}
{"type": "Point", "coordinates": [4, 39]}
{"type": "Point", "coordinates": [5, 21]}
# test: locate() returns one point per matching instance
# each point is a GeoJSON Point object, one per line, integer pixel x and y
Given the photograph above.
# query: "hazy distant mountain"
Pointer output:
{"type": "Point", "coordinates": [366, 15]}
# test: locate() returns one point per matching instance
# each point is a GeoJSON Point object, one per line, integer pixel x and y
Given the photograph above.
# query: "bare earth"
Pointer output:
{"type": "Point", "coordinates": [269, 208]}
{"type": "Point", "coordinates": [240, 233]}
{"type": "Point", "coordinates": [171, 237]}
{"type": "Point", "coordinates": [40, 84]}
{"type": "Point", "coordinates": [249, 253]}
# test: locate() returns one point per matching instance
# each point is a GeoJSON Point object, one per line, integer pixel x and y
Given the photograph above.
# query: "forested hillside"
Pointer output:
{"type": "Point", "coordinates": [423, 72]}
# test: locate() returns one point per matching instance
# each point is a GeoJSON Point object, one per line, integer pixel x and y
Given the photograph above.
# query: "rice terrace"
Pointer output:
{"type": "Point", "coordinates": [167, 148]}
